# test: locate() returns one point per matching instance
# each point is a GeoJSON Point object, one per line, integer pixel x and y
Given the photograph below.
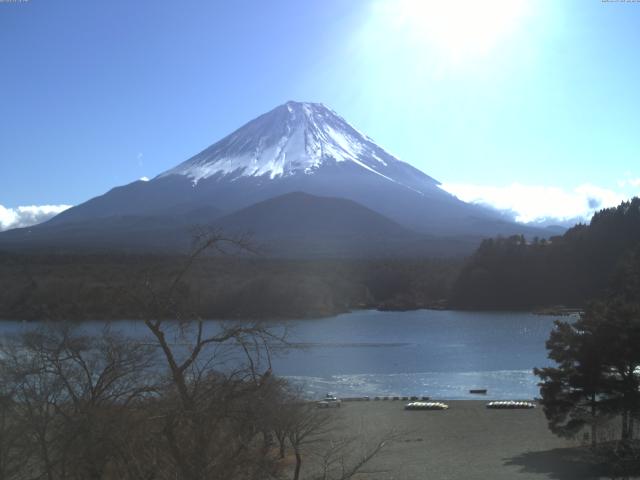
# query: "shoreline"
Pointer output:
{"type": "Point", "coordinates": [543, 312]}
{"type": "Point", "coordinates": [413, 398]}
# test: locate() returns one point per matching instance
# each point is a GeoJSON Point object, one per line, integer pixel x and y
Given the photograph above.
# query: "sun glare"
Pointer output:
{"type": "Point", "coordinates": [457, 29]}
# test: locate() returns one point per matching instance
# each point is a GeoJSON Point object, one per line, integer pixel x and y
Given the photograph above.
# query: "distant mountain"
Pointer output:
{"type": "Point", "coordinates": [302, 225]}
{"type": "Point", "coordinates": [125, 233]}
{"type": "Point", "coordinates": [303, 215]}
{"type": "Point", "coordinates": [297, 147]}
{"type": "Point", "coordinates": [294, 225]}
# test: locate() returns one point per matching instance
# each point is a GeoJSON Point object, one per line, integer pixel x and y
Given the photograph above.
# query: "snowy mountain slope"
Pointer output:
{"type": "Point", "coordinates": [295, 138]}
{"type": "Point", "coordinates": [296, 147]}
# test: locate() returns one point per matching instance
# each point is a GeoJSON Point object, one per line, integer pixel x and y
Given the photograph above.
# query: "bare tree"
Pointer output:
{"type": "Point", "coordinates": [214, 377]}
{"type": "Point", "coordinates": [306, 425]}
{"type": "Point", "coordinates": [199, 401]}
{"type": "Point", "coordinates": [13, 451]}
{"type": "Point", "coordinates": [345, 457]}
{"type": "Point", "coordinates": [316, 433]}
{"type": "Point", "coordinates": [72, 394]}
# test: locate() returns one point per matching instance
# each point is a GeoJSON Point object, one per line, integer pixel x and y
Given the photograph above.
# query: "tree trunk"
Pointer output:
{"type": "Point", "coordinates": [296, 474]}
{"type": "Point", "coordinates": [625, 426]}
{"type": "Point", "coordinates": [47, 461]}
{"type": "Point", "coordinates": [594, 427]}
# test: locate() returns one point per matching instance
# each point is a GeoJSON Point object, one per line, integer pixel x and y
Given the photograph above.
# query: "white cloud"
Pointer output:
{"type": "Point", "coordinates": [631, 182]}
{"type": "Point", "coordinates": [535, 203]}
{"type": "Point", "coordinates": [28, 215]}
{"type": "Point", "coordinates": [144, 179]}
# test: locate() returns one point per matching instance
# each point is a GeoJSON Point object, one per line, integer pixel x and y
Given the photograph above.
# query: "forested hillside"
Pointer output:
{"type": "Point", "coordinates": [118, 286]}
{"type": "Point", "coordinates": [512, 273]}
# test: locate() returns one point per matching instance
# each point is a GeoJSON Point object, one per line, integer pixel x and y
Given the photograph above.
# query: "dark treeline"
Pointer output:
{"type": "Point", "coordinates": [512, 273]}
{"type": "Point", "coordinates": [76, 287]}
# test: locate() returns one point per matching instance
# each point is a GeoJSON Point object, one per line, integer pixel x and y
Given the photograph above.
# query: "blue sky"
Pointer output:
{"type": "Point", "coordinates": [530, 106]}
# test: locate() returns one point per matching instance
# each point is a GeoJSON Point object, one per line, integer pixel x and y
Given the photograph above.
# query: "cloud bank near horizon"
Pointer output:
{"type": "Point", "coordinates": [523, 203]}
{"type": "Point", "coordinates": [542, 204]}
{"type": "Point", "coordinates": [28, 215]}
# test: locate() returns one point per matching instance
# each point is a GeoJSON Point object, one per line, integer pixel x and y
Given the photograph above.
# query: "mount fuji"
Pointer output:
{"type": "Point", "coordinates": [298, 153]}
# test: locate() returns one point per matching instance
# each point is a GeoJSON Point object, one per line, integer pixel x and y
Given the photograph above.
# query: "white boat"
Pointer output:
{"type": "Point", "coordinates": [510, 404]}
{"type": "Point", "coordinates": [426, 406]}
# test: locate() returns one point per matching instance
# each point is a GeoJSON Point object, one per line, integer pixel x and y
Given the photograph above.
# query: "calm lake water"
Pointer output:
{"type": "Point", "coordinates": [442, 354]}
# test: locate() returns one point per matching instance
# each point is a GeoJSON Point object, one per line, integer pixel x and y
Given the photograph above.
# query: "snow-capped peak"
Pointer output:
{"type": "Point", "coordinates": [294, 138]}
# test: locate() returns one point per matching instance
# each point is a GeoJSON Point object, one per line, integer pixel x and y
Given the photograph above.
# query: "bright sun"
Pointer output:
{"type": "Point", "coordinates": [458, 29]}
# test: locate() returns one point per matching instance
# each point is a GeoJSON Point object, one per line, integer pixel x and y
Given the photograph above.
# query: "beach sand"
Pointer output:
{"type": "Point", "coordinates": [468, 441]}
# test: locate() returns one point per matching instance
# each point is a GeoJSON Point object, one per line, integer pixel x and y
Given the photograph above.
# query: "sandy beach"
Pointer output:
{"type": "Point", "coordinates": [468, 441]}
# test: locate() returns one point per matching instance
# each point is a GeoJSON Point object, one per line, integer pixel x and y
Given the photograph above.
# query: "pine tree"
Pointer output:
{"type": "Point", "coordinates": [574, 394]}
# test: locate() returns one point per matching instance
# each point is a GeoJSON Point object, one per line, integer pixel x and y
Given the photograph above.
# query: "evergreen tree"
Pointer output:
{"type": "Point", "coordinates": [597, 376]}
{"type": "Point", "coordinates": [574, 393]}
{"type": "Point", "coordinates": [619, 339]}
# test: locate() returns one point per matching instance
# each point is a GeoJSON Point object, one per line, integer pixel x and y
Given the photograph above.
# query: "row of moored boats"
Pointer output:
{"type": "Point", "coordinates": [503, 404]}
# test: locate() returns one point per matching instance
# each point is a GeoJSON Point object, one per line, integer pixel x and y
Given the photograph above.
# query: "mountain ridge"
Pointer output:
{"type": "Point", "coordinates": [293, 225]}
{"type": "Point", "coordinates": [296, 147]}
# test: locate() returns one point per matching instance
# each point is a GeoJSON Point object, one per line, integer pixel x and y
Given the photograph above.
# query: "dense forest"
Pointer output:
{"type": "Point", "coordinates": [118, 286]}
{"type": "Point", "coordinates": [513, 273]}
{"type": "Point", "coordinates": [504, 273]}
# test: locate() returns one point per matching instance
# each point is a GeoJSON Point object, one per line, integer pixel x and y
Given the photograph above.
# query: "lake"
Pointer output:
{"type": "Point", "coordinates": [442, 354]}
